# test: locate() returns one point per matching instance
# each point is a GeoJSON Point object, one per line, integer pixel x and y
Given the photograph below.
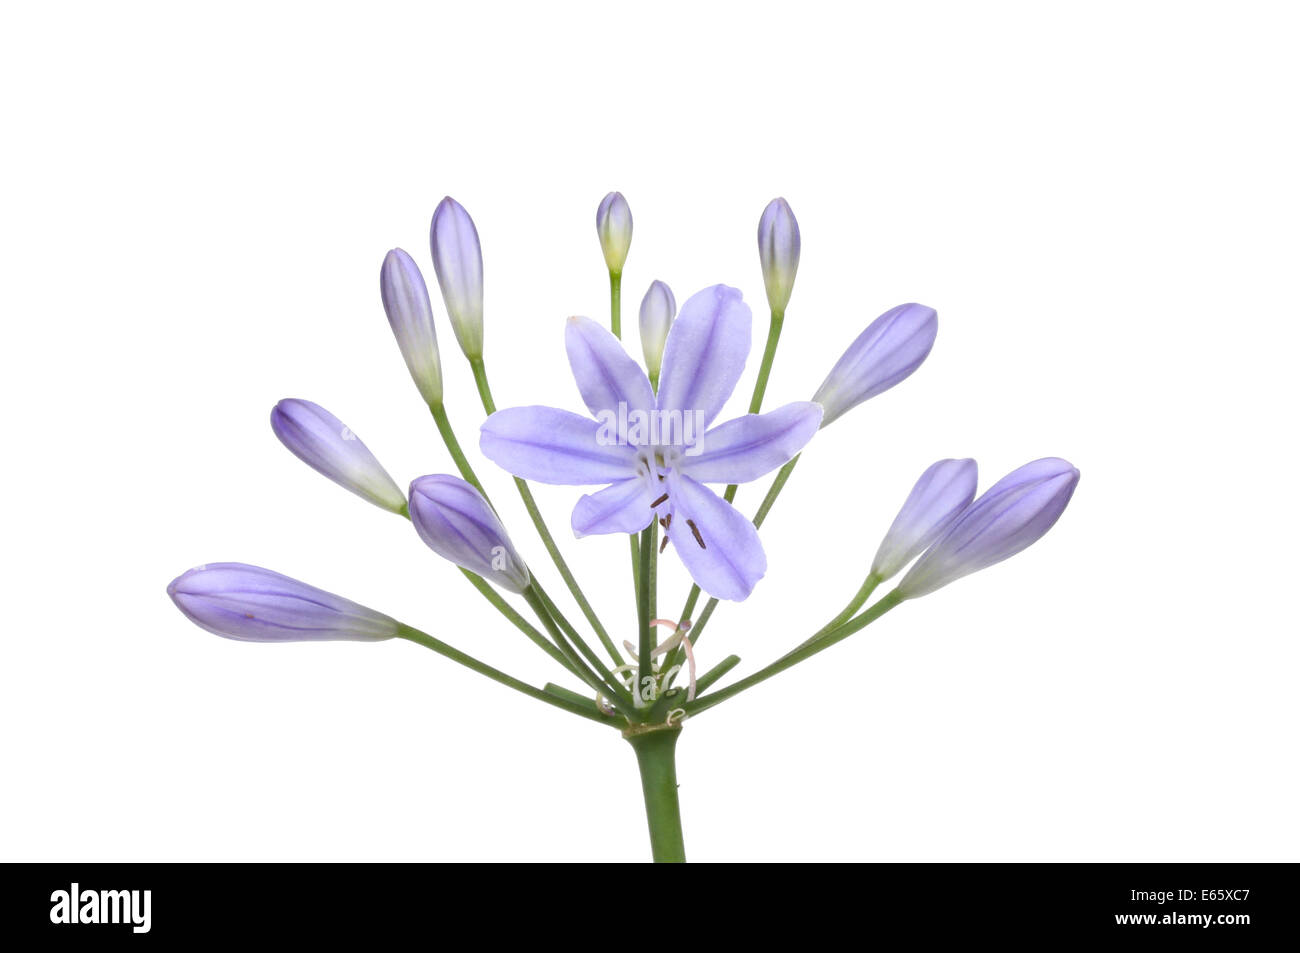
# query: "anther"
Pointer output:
{"type": "Point", "coordinates": [664, 544]}
{"type": "Point", "coordinates": [658, 501]}
{"type": "Point", "coordinates": [696, 531]}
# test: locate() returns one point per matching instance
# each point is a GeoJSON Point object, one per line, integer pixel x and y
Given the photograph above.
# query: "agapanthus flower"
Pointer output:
{"type": "Point", "coordinates": [410, 314]}
{"type": "Point", "coordinates": [320, 440]}
{"type": "Point", "coordinates": [458, 265]}
{"type": "Point", "coordinates": [251, 604]}
{"type": "Point", "coordinates": [614, 229]}
{"type": "Point", "coordinates": [656, 451]}
{"type": "Point", "coordinates": [942, 493]}
{"type": "Point", "coordinates": [658, 308]}
{"type": "Point", "coordinates": [778, 252]}
{"type": "Point", "coordinates": [886, 353]}
{"type": "Point", "coordinates": [1011, 515]}
{"type": "Point", "coordinates": [458, 524]}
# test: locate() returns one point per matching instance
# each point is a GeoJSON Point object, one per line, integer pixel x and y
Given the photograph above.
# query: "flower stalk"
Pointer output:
{"type": "Point", "coordinates": [657, 760]}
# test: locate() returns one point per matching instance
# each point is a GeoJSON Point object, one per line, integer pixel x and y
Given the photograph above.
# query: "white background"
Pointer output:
{"type": "Point", "coordinates": [1100, 199]}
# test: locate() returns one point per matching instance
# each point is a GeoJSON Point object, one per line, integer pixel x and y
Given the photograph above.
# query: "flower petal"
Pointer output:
{"type": "Point", "coordinates": [726, 559]}
{"type": "Point", "coordinates": [745, 448]}
{"type": "Point", "coordinates": [554, 446]}
{"type": "Point", "coordinates": [623, 507]}
{"type": "Point", "coordinates": [705, 353]}
{"type": "Point", "coordinates": [606, 375]}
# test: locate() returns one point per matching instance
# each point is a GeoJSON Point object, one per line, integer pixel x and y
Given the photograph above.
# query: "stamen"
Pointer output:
{"type": "Point", "coordinates": [667, 520]}
{"type": "Point", "coordinates": [696, 531]}
{"type": "Point", "coordinates": [658, 501]}
{"type": "Point", "coordinates": [663, 545]}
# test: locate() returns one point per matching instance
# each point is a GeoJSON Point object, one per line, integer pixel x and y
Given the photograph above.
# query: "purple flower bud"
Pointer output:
{"type": "Point", "coordinates": [320, 440]}
{"type": "Point", "coordinates": [406, 302]}
{"type": "Point", "coordinates": [889, 350]}
{"type": "Point", "coordinates": [1011, 515]}
{"type": "Point", "coordinates": [614, 228]}
{"type": "Point", "coordinates": [939, 497]}
{"type": "Point", "coordinates": [237, 601]}
{"type": "Point", "coordinates": [658, 308]}
{"type": "Point", "coordinates": [458, 263]}
{"type": "Point", "coordinates": [778, 252]}
{"type": "Point", "coordinates": [456, 522]}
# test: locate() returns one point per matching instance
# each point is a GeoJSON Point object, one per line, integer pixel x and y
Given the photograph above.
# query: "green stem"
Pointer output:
{"type": "Point", "coordinates": [705, 681]}
{"type": "Point", "coordinates": [635, 549]}
{"type": "Point", "coordinates": [535, 514]}
{"type": "Point", "coordinates": [605, 682]}
{"type": "Point", "coordinates": [863, 594]}
{"type": "Point", "coordinates": [797, 656]}
{"type": "Point", "coordinates": [615, 303]}
{"type": "Point", "coordinates": [760, 384]}
{"type": "Point", "coordinates": [507, 610]}
{"type": "Point", "coordinates": [656, 758]}
{"type": "Point", "coordinates": [559, 691]}
{"type": "Point", "coordinates": [453, 447]}
{"type": "Point", "coordinates": [774, 491]}
{"type": "Point", "coordinates": [445, 650]}
{"type": "Point", "coordinates": [644, 641]}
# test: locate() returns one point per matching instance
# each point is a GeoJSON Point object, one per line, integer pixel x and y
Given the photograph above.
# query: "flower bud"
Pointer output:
{"type": "Point", "coordinates": [320, 440]}
{"type": "Point", "coordinates": [455, 521]}
{"type": "Point", "coordinates": [237, 601]}
{"type": "Point", "coordinates": [1011, 515]}
{"type": "Point", "coordinates": [614, 227]}
{"type": "Point", "coordinates": [406, 302]}
{"type": "Point", "coordinates": [458, 263]}
{"type": "Point", "coordinates": [890, 349]}
{"type": "Point", "coordinates": [939, 497]}
{"type": "Point", "coordinates": [778, 252]}
{"type": "Point", "coordinates": [658, 308]}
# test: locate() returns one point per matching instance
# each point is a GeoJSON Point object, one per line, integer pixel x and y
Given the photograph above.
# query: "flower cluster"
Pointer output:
{"type": "Point", "coordinates": [651, 442]}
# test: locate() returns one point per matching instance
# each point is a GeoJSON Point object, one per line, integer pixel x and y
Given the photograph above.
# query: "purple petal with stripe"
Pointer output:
{"type": "Point", "coordinates": [555, 446]}
{"type": "Point", "coordinates": [747, 447]}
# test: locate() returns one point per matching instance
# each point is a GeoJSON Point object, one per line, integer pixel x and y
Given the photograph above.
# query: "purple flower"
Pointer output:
{"type": "Point", "coordinates": [778, 252]}
{"type": "Point", "coordinates": [657, 452]}
{"type": "Point", "coordinates": [406, 302]}
{"type": "Point", "coordinates": [320, 440]}
{"type": "Point", "coordinates": [237, 601]}
{"type": "Point", "coordinates": [456, 522]}
{"type": "Point", "coordinates": [944, 490]}
{"type": "Point", "coordinates": [458, 263]}
{"type": "Point", "coordinates": [614, 229]}
{"type": "Point", "coordinates": [889, 350]}
{"type": "Point", "coordinates": [658, 308]}
{"type": "Point", "coordinates": [1011, 515]}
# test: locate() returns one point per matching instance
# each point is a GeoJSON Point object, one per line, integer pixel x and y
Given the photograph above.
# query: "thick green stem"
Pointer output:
{"type": "Point", "coordinates": [535, 514]}
{"type": "Point", "coordinates": [656, 757]}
